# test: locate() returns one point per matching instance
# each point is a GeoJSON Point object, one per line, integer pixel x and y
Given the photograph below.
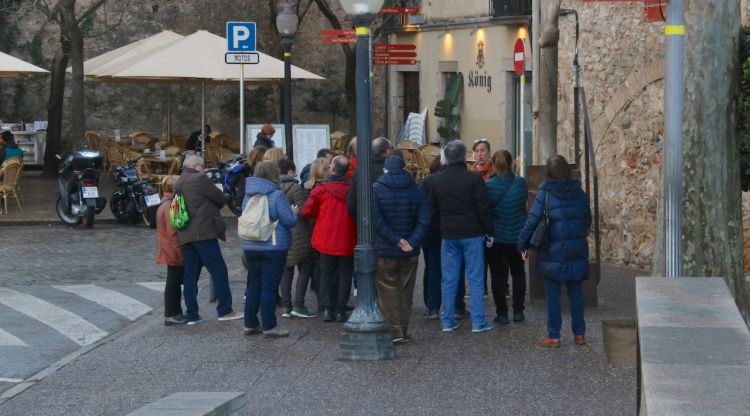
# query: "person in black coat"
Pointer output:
{"type": "Point", "coordinates": [194, 140]}
{"type": "Point", "coordinates": [401, 218]}
{"type": "Point", "coordinates": [381, 149]}
{"type": "Point", "coordinates": [264, 137]}
{"type": "Point", "coordinates": [460, 199]}
{"type": "Point", "coordinates": [566, 259]}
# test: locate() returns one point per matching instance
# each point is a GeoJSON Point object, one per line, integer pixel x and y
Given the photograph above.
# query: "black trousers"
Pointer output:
{"type": "Point", "coordinates": [502, 258]}
{"type": "Point", "coordinates": [173, 291]}
{"type": "Point", "coordinates": [335, 281]}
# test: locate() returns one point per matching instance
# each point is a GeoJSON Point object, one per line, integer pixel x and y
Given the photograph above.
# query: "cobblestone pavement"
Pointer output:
{"type": "Point", "coordinates": [108, 252]}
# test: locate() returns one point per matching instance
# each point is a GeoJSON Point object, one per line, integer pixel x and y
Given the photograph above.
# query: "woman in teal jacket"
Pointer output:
{"type": "Point", "coordinates": [8, 147]}
{"type": "Point", "coordinates": [508, 195]}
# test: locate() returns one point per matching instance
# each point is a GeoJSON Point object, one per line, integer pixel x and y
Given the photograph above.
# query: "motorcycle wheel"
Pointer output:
{"type": "Point", "coordinates": [123, 209]}
{"type": "Point", "coordinates": [232, 205]}
{"type": "Point", "coordinates": [149, 216]}
{"type": "Point", "coordinates": [89, 218]}
{"type": "Point", "coordinates": [66, 217]}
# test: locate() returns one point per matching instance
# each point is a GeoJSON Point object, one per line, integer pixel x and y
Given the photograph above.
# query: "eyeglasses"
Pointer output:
{"type": "Point", "coordinates": [477, 141]}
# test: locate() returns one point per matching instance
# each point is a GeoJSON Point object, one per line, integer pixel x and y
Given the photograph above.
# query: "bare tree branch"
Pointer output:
{"type": "Point", "coordinates": [92, 9]}
{"type": "Point", "coordinates": [108, 27]}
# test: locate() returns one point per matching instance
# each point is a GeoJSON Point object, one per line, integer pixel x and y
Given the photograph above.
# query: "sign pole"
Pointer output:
{"type": "Point", "coordinates": [242, 109]}
{"type": "Point", "coordinates": [520, 127]}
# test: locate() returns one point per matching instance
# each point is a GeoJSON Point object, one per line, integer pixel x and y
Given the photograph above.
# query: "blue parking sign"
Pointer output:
{"type": "Point", "coordinates": [240, 36]}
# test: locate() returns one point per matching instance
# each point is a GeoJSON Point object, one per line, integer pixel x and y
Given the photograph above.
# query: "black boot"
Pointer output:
{"type": "Point", "coordinates": [327, 315]}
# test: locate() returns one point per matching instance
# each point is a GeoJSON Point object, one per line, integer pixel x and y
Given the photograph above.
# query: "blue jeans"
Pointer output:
{"type": "Point", "coordinates": [205, 253]}
{"type": "Point", "coordinates": [554, 318]}
{"type": "Point", "coordinates": [433, 275]}
{"type": "Point", "coordinates": [263, 278]}
{"type": "Point", "coordinates": [469, 251]}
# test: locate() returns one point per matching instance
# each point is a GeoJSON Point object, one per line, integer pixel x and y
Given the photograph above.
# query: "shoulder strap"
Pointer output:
{"type": "Point", "coordinates": [505, 192]}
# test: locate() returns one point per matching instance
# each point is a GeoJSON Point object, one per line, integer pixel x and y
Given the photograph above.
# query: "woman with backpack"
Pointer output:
{"type": "Point", "coordinates": [564, 259]}
{"type": "Point", "coordinates": [265, 208]}
{"type": "Point", "coordinates": [508, 194]}
{"type": "Point", "coordinates": [169, 252]}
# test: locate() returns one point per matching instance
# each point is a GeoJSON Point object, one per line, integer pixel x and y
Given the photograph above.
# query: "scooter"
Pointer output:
{"type": "Point", "coordinates": [134, 199]}
{"type": "Point", "coordinates": [78, 186]}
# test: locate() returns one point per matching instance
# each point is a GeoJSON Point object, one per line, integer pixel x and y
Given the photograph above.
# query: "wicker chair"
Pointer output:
{"type": "Point", "coordinates": [143, 138]}
{"type": "Point", "coordinates": [172, 150]}
{"type": "Point", "coordinates": [10, 173]}
{"type": "Point", "coordinates": [223, 155]}
{"type": "Point", "coordinates": [93, 139]}
{"type": "Point", "coordinates": [162, 144]}
{"type": "Point", "coordinates": [430, 152]}
{"type": "Point", "coordinates": [114, 157]}
{"type": "Point", "coordinates": [407, 144]}
{"type": "Point", "coordinates": [221, 139]}
{"type": "Point", "coordinates": [131, 155]}
{"type": "Point", "coordinates": [178, 139]}
{"type": "Point", "coordinates": [422, 165]}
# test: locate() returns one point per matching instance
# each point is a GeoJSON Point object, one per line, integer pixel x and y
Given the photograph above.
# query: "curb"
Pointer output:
{"type": "Point", "coordinates": [13, 223]}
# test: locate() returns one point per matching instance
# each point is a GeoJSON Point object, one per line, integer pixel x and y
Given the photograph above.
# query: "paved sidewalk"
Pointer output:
{"type": "Point", "coordinates": [496, 373]}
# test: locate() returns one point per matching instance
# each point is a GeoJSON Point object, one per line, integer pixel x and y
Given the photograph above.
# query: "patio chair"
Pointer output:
{"type": "Point", "coordinates": [223, 155]}
{"type": "Point", "coordinates": [114, 158]}
{"type": "Point", "coordinates": [172, 150]}
{"type": "Point", "coordinates": [422, 166]}
{"type": "Point", "coordinates": [93, 138]}
{"type": "Point", "coordinates": [407, 144]}
{"type": "Point", "coordinates": [10, 173]}
{"type": "Point", "coordinates": [131, 155]}
{"type": "Point", "coordinates": [161, 144]}
{"type": "Point", "coordinates": [143, 139]}
{"type": "Point", "coordinates": [178, 139]}
{"type": "Point", "coordinates": [221, 139]}
{"type": "Point", "coordinates": [430, 152]}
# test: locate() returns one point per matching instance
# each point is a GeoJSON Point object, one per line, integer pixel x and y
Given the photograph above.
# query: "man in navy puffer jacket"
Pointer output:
{"type": "Point", "coordinates": [401, 218]}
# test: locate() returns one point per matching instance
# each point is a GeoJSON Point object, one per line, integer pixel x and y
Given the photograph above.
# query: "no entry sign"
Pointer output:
{"type": "Point", "coordinates": [519, 58]}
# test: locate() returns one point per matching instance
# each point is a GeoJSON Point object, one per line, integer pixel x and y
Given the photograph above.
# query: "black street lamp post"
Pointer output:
{"type": "Point", "coordinates": [366, 333]}
{"type": "Point", "coordinates": [286, 23]}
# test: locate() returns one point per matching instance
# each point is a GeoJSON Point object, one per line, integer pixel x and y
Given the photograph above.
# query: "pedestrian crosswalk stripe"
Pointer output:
{"type": "Point", "coordinates": [115, 301]}
{"type": "Point", "coordinates": [63, 321]}
{"type": "Point", "coordinates": [156, 286]}
{"type": "Point", "coordinates": [8, 340]}
{"type": "Point", "coordinates": [11, 380]}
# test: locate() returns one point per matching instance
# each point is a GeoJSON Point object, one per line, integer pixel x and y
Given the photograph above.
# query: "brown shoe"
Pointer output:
{"type": "Point", "coordinates": [579, 339]}
{"type": "Point", "coordinates": [548, 343]}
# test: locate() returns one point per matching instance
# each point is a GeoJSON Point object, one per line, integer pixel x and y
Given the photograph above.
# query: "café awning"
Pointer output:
{"type": "Point", "coordinates": [12, 67]}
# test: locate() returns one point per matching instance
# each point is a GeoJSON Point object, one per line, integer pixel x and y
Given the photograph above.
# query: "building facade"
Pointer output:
{"type": "Point", "coordinates": [474, 39]}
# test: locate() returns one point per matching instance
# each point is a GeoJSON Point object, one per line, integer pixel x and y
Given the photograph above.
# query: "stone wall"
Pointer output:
{"type": "Point", "coordinates": [130, 107]}
{"type": "Point", "coordinates": [621, 60]}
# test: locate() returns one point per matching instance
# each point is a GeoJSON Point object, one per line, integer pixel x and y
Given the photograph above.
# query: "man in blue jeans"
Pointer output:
{"type": "Point", "coordinates": [200, 240]}
{"type": "Point", "coordinates": [460, 199]}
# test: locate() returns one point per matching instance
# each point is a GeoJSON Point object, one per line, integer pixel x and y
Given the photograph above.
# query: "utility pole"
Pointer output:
{"type": "Point", "coordinates": [546, 33]}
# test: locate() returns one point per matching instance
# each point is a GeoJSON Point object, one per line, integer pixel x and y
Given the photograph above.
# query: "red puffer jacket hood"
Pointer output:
{"type": "Point", "coordinates": [335, 233]}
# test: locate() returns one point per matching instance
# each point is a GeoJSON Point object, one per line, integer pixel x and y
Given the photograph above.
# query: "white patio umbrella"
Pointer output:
{"type": "Point", "coordinates": [199, 58]}
{"type": "Point", "coordinates": [100, 68]}
{"type": "Point", "coordinates": [12, 67]}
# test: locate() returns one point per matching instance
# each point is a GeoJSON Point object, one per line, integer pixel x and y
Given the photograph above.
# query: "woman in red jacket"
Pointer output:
{"type": "Point", "coordinates": [168, 252]}
{"type": "Point", "coordinates": [334, 236]}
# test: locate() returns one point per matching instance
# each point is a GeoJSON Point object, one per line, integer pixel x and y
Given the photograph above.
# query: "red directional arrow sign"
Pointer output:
{"type": "Point", "coordinates": [393, 47]}
{"type": "Point", "coordinates": [334, 32]}
{"type": "Point", "coordinates": [519, 58]}
{"type": "Point", "coordinates": [394, 54]}
{"type": "Point", "coordinates": [394, 61]}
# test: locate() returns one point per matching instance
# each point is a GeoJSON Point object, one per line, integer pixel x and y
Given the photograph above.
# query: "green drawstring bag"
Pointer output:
{"type": "Point", "coordinates": [178, 215]}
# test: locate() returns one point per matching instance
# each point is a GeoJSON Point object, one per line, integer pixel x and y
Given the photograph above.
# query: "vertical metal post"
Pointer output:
{"type": "Point", "coordinates": [521, 104]}
{"type": "Point", "coordinates": [242, 109]}
{"type": "Point", "coordinates": [366, 333]}
{"type": "Point", "coordinates": [203, 119]}
{"type": "Point", "coordinates": [288, 136]}
{"type": "Point", "coordinates": [169, 112]}
{"type": "Point", "coordinates": [673, 119]}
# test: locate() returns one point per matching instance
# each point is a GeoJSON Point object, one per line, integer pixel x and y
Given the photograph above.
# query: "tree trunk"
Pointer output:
{"type": "Point", "coordinates": [73, 31]}
{"type": "Point", "coordinates": [545, 119]}
{"type": "Point", "coordinates": [712, 204]}
{"type": "Point", "coordinates": [55, 107]}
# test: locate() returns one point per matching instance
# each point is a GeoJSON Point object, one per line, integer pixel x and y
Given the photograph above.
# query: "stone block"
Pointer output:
{"type": "Point", "coordinates": [196, 404]}
{"type": "Point", "coordinates": [694, 347]}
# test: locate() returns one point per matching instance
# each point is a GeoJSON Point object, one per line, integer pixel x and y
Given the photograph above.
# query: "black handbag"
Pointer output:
{"type": "Point", "coordinates": [540, 237]}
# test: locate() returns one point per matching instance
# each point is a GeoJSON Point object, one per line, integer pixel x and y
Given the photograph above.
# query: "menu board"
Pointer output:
{"type": "Point", "coordinates": [307, 139]}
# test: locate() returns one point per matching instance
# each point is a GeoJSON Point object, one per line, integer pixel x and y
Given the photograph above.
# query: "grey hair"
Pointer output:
{"type": "Point", "coordinates": [191, 161]}
{"type": "Point", "coordinates": [340, 165]}
{"type": "Point", "coordinates": [380, 146]}
{"type": "Point", "coordinates": [454, 153]}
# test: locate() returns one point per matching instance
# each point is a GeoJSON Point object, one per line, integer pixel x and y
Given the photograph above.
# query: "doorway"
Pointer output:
{"type": "Point", "coordinates": [526, 130]}
{"type": "Point", "coordinates": [411, 94]}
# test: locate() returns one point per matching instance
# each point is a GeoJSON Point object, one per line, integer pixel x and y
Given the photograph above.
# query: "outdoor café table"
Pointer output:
{"type": "Point", "coordinates": [160, 165]}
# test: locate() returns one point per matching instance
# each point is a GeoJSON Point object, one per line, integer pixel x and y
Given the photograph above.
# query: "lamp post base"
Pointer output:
{"type": "Point", "coordinates": [367, 346]}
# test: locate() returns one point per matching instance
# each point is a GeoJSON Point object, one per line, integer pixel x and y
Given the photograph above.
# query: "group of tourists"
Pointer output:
{"type": "Point", "coordinates": [462, 220]}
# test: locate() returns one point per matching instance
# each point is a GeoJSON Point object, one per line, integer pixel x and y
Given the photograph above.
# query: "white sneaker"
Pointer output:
{"type": "Point", "coordinates": [232, 316]}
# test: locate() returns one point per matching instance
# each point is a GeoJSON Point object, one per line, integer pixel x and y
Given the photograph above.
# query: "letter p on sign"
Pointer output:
{"type": "Point", "coordinates": [240, 36]}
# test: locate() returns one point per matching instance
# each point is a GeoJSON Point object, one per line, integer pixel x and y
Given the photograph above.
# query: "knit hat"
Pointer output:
{"type": "Point", "coordinates": [393, 163]}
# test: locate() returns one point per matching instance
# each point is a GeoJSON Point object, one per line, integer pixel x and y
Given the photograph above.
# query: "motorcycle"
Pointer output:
{"type": "Point", "coordinates": [134, 199]}
{"type": "Point", "coordinates": [225, 178]}
{"type": "Point", "coordinates": [78, 185]}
